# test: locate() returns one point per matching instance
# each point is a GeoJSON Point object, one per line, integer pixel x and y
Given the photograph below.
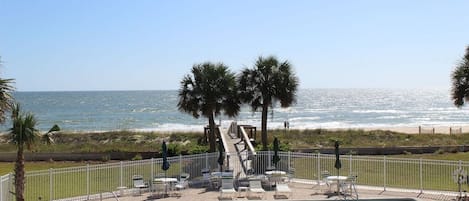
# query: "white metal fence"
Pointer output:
{"type": "Point", "coordinates": [92, 181]}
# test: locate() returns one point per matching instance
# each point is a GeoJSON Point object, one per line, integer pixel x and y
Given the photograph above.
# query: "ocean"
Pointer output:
{"type": "Point", "coordinates": [315, 108]}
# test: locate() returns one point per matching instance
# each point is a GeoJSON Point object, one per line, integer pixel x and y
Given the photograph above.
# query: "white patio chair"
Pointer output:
{"type": "Point", "coordinates": [183, 182]}
{"type": "Point", "coordinates": [227, 187]}
{"type": "Point", "coordinates": [139, 183]}
{"type": "Point", "coordinates": [282, 188]}
{"type": "Point", "coordinates": [255, 186]}
{"type": "Point", "coordinates": [348, 188]}
{"type": "Point", "coordinates": [323, 184]}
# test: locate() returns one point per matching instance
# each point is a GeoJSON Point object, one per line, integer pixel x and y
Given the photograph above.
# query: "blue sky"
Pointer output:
{"type": "Point", "coordinates": [150, 45]}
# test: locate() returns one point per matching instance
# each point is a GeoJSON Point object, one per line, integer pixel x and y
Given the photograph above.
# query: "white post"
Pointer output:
{"type": "Point", "coordinates": [206, 161]}
{"type": "Point", "coordinates": [319, 167]}
{"type": "Point", "coordinates": [88, 180]}
{"type": "Point", "coordinates": [152, 176]}
{"type": "Point", "coordinates": [289, 161]}
{"type": "Point", "coordinates": [421, 175]}
{"type": "Point", "coordinates": [121, 175]}
{"type": "Point", "coordinates": [384, 173]}
{"type": "Point", "coordinates": [51, 185]}
{"type": "Point", "coordinates": [9, 185]}
{"type": "Point", "coordinates": [1, 188]}
{"type": "Point", "coordinates": [350, 164]}
{"type": "Point", "coordinates": [180, 164]}
{"type": "Point", "coordinates": [270, 162]}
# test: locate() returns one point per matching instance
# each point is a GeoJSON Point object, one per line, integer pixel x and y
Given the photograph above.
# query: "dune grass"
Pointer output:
{"type": "Point", "coordinates": [317, 138]}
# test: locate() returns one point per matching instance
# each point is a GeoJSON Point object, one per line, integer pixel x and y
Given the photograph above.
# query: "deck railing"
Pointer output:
{"type": "Point", "coordinates": [92, 181]}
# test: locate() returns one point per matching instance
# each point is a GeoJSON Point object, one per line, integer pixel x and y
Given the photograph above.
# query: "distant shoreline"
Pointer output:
{"type": "Point", "coordinates": [440, 129]}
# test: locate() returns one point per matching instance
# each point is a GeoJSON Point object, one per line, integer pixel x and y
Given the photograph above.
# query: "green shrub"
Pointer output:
{"type": "Point", "coordinates": [439, 151]}
{"type": "Point", "coordinates": [137, 157]}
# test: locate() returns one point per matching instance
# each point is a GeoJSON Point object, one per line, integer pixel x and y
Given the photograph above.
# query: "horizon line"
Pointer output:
{"type": "Point", "coordinates": [124, 90]}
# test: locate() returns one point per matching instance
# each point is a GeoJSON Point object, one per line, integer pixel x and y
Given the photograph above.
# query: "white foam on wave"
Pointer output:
{"type": "Point", "coordinates": [378, 111]}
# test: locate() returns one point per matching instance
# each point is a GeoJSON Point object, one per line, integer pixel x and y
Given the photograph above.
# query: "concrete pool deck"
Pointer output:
{"type": "Point", "coordinates": [299, 192]}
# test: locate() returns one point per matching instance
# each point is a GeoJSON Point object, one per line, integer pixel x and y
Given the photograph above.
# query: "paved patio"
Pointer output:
{"type": "Point", "coordinates": [299, 192]}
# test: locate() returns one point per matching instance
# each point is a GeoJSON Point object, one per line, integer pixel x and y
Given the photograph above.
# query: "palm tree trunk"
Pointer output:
{"type": "Point", "coordinates": [212, 138]}
{"type": "Point", "coordinates": [19, 174]}
{"type": "Point", "coordinates": [265, 111]}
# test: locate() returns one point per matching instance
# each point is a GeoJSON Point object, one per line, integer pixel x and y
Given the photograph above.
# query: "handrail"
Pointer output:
{"type": "Point", "coordinates": [246, 139]}
{"type": "Point", "coordinates": [224, 140]}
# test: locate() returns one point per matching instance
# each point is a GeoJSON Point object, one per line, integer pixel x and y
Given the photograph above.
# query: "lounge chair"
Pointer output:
{"type": "Point", "coordinates": [255, 186]}
{"type": "Point", "coordinates": [282, 188]}
{"type": "Point", "coordinates": [227, 187]}
{"type": "Point", "coordinates": [139, 183]}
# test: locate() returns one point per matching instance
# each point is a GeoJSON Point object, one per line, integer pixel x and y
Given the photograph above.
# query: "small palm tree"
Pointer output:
{"type": "Point", "coordinates": [460, 81]}
{"type": "Point", "coordinates": [210, 90]}
{"type": "Point", "coordinates": [23, 134]}
{"type": "Point", "coordinates": [268, 82]}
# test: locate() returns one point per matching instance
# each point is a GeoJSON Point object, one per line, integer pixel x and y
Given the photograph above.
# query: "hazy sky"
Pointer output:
{"type": "Point", "coordinates": [142, 45]}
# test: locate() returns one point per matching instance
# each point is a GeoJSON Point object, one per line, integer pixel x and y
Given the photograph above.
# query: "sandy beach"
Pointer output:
{"type": "Point", "coordinates": [425, 129]}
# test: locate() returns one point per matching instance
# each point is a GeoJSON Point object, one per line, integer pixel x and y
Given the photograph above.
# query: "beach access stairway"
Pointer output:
{"type": "Point", "coordinates": [241, 162]}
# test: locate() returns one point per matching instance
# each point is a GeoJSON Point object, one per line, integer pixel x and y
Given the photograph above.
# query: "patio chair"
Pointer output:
{"type": "Point", "coordinates": [159, 188]}
{"type": "Point", "coordinates": [139, 183]}
{"type": "Point", "coordinates": [282, 188]}
{"type": "Point", "coordinates": [291, 174]}
{"type": "Point", "coordinates": [227, 187]}
{"type": "Point", "coordinates": [323, 184]}
{"type": "Point", "coordinates": [348, 188]}
{"type": "Point", "coordinates": [206, 176]}
{"type": "Point", "coordinates": [183, 182]}
{"type": "Point", "coordinates": [255, 186]}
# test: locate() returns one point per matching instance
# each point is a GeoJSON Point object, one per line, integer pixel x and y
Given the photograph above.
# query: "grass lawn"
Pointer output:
{"type": "Point", "coordinates": [464, 156]}
{"type": "Point", "coordinates": [7, 167]}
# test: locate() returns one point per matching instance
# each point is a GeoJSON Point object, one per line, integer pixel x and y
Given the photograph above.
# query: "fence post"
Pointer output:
{"type": "Point", "coordinates": [384, 173]}
{"type": "Point", "coordinates": [10, 182]}
{"type": "Point", "coordinates": [350, 164]}
{"type": "Point", "coordinates": [180, 164]}
{"type": "Point", "coordinates": [51, 185]}
{"type": "Point", "coordinates": [122, 172]}
{"type": "Point", "coordinates": [421, 175]}
{"type": "Point", "coordinates": [319, 166]}
{"type": "Point", "coordinates": [88, 181]}
{"type": "Point", "coordinates": [206, 160]}
{"type": "Point", "coordinates": [152, 176]}
{"type": "Point", "coordinates": [289, 161]}
{"type": "Point", "coordinates": [1, 188]}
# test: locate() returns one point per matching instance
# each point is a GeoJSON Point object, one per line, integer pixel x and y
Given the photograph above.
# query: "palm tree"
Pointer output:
{"type": "Point", "coordinates": [460, 80]}
{"type": "Point", "coordinates": [23, 134]}
{"type": "Point", "coordinates": [210, 90]}
{"type": "Point", "coordinates": [6, 99]}
{"type": "Point", "coordinates": [265, 84]}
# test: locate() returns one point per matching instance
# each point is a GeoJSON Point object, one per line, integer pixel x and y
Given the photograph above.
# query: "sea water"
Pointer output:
{"type": "Point", "coordinates": [314, 108]}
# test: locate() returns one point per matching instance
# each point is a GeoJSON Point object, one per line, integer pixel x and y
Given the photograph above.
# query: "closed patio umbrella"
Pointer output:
{"type": "Point", "coordinates": [165, 165]}
{"type": "Point", "coordinates": [164, 151]}
{"type": "Point", "coordinates": [276, 158]}
{"type": "Point", "coordinates": [221, 158]}
{"type": "Point", "coordinates": [337, 164]}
